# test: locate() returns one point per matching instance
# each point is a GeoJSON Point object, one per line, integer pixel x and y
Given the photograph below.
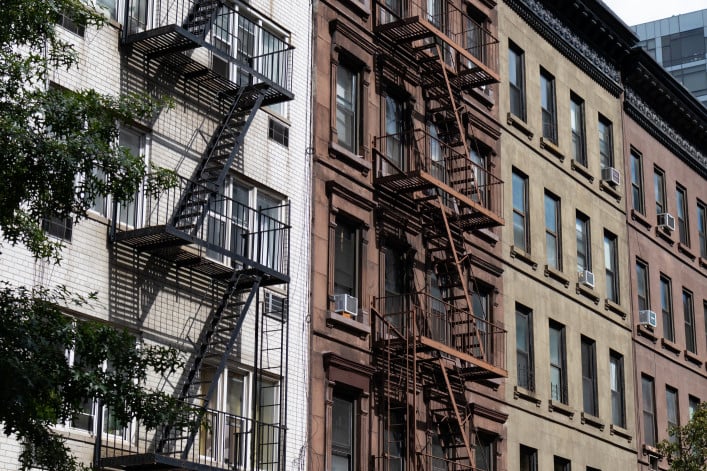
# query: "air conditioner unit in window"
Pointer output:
{"type": "Point", "coordinates": [647, 318]}
{"type": "Point", "coordinates": [586, 278]}
{"type": "Point", "coordinates": [611, 175]}
{"type": "Point", "coordinates": [346, 304]}
{"type": "Point", "coordinates": [666, 221]}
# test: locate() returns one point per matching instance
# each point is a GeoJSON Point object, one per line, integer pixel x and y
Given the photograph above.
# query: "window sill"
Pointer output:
{"type": "Point", "coordinates": [620, 431]}
{"type": "Point", "coordinates": [693, 358]}
{"type": "Point", "coordinates": [485, 97]}
{"type": "Point", "coordinates": [685, 250]}
{"type": "Point", "coordinates": [582, 170]}
{"type": "Point", "coordinates": [592, 420]}
{"type": "Point", "coordinates": [610, 305]}
{"type": "Point", "coordinates": [588, 293]}
{"type": "Point", "coordinates": [519, 124]}
{"type": "Point", "coordinates": [527, 395]}
{"type": "Point", "coordinates": [523, 256]}
{"type": "Point", "coordinates": [354, 160]}
{"type": "Point", "coordinates": [552, 148]}
{"type": "Point", "coordinates": [703, 262]}
{"type": "Point", "coordinates": [664, 234]}
{"type": "Point", "coordinates": [557, 275]}
{"type": "Point", "coordinates": [647, 332]}
{"type": "Point", "coordinates": [564, 409]}
{"type": "Point", "coordinates": [651, 451]}
{"type": "Point", "coordinates": [611, 190]}
{"type": "Point", "coordinates": [670, 346]}
{"type": "Point", "coordinates": [487, 235]}
{"type": "Point", "coordinates": [348, 324]}
{"type": "Point", "coordinates": [362, 7]}
{"type": "Point", "coordinates": [641, 219]}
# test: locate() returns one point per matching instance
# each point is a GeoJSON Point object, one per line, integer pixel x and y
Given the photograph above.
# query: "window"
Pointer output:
{"type": "Point", "coordinates": [61, 228]}
{"type": "Point", "coordinates": [395, 279]}
{"type": "Point", "coordinates": [606, 143]}
{"type": "Point", "coordinates": [228, 432]}
{"type": "Point", "coordinates": [692, 404]}
{"type": "Point", "coordinates": [689, 314]}
{"type": "Point", "coordinates": [558, 377]}
{"type": "Point", "coordinates": [584, 250]}
{"type": "Point", "coordinates": [524, 348]}
{"type": "Point", "coordinates": [589, 377]}
{"type": "Point", "coordinates": [649, 425]}
{"type": "Point", "coordinates": [528, 459]}
{"type": "Point", "coordinates": [394, 150]}
{"type": "Point", "coordinates": [666, 307]}
{"type": "Point", "coordinates": [520, 212]}
{"type": "Point", "coordinates": [659, 187]}
{"type": "Point", "coordinates": [611, 267]}
{"type": "Point", "coordinates": [278, 132]}
{"type": "Point", "coordinates": [579, 147]}
{"type": "Point", "coordinates": [683, 224]}
{"type": "Point", "coordinates": [561, 464]}
{"type": "Point", "coordinates": [347, 108]}
{"type": "Point", "coordinates": [642, 286]}
{"type": "Point", "coordinates": [395, 440]}
{"type": "Point", "coordinates": [516, 79]}
{"type": "Point", "coordinates": [683, 47]}
{"type": "Point", "coordinates": [481, 309]}
{"type": "Point", "coordinates": [672, 410]}
{"type": "Point", "coordinates": [343, 425]}
{"type": "Point", "coordinates": [547, 104]}
{"type": "Point", "coordinates": [485, 452]}
{"type": "Point", "coordinates": [637, 182]}
{"type": "Point", "coordinates": [70, 25]}
{"type": "Point", "coordinates": [702, 228]}
{"type": "Point", "coordinates": [553, 246]}
{"type": "Point", "coordinates": [346, 258]}
{"type": "Point", "coordinates": [616, 380]}
{"type": "Point", "coordinates": [391, 10]}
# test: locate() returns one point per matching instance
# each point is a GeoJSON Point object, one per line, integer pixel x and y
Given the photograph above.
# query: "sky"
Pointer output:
{"type": "Point", "coordinates": [634, 12]}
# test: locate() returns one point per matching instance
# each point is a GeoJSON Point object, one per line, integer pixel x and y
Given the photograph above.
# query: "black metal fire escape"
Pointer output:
{"type": "Point", "coordinates": [175, 40]}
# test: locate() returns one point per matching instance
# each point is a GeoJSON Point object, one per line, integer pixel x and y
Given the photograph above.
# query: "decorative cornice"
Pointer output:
{"type": "Point", "coordinates": [647, 118]}
{"type": "Point", "coordinates": [562, 38]}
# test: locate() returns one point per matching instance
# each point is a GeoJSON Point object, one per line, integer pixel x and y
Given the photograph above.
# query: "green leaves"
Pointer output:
{"type": "Point", "coordinates": [688, 449]}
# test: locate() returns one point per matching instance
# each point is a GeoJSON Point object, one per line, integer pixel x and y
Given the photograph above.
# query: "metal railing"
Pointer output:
{"type": "Point", "coordinates": [231, 231]}
{"type": "Point", "coordinates": [224, 440]}
{"type": "Point", "coordinates": [233, 33]}
{"type": "Point", "coordinates": [463, 30]}
{"type": "Point", "coordinates": [420, 314]}
{"type": "Point", "coordinates": [418, 150]}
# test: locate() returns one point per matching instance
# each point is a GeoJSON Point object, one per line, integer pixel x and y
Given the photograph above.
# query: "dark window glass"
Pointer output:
{"type": "Point", "coordinates": [648, 396]}
{"type": "Point", "coordinates": [558, 374]}
{"type": "Point", "coordinates": [343, 435]}
{"type": "Point", "coordinates": [642, 286]}
{"type": "Point", "coordinates": [659, 189]}
{"type": "Point", "coordinates": [589, 377]}
{"type": "Point", "coordinates": [606, 142]}
{"type": "Point", "coordinates": [347, 108]}
{"type": "Point", "coordinates": [637, 182]}
{"type": "Point", "coordinates": [346, 256]}
{"type": "Point", "coordinates": [528, 459]}
{"type": "Point", "coordinates": [666, 307]}
{"type": "Point", "coordinates": [618, 405]}
{"type": "Point", "coordinates": [611, 267]}
{"type": "Point", "coordinates": [58, 227]}
{"type": "Point", "coordinates": [547, 105]}
{"type": "Point", "coordinates": [553, 249]}
{"type": "Point", "coordinates": [520, 212]}
{"type": "Point", "coordinates": [702, 228]}
{"type": "Point", "coordinates": [689, 314]}
{"type": "Point", "coordinates": [672, 410]}
{"type": "Point", "coordinates": [516, 78]}
{"type": "Point", "coordinates": [584, 247]}
{"type": "Point", "coordinates": [579, 146]}
{"type": "Point", "coordinates": [278, 132]}
{"type": "Point", "coordinates": [561, 464]}
{"type": "Point", "coordinates": [683, 222]}
{"type": "Point", "coordinates": [524, 348]}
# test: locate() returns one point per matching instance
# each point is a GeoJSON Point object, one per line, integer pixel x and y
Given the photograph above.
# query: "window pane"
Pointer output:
{"type": "Point", "coordinates": [345, 259]}
{"type": "Point", "coordinates": [666, 306]}
{"type": "Point", "coordinates": [637, 182]}
{"type": "Point", "coordinates": [346, 107]}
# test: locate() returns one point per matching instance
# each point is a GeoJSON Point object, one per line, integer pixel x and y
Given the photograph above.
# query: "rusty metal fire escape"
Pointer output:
{"type": "Point", "coordinates": [429, 348]}
{"type": "Point", "coordinates": [186, 40]}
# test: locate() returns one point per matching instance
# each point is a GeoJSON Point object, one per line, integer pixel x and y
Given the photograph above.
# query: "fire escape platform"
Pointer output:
{"type": "Point", "coordinates": [478, 369]}
{"type": "Point", "coordinates": [415, 28]}
{"type": "Point", "coordinates": [156, 461]}
{"type": "Point", "coordinates": [475, 217]}
{"type": "Point", "coordinates": [167, 44]}
{"type": "Point", "coordinates": [188, 251]}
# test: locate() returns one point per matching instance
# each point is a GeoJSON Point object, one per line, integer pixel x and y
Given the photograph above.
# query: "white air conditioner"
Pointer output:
{"type": "Point", "coordinates": [611, 175]}
{"type": "Point", "coordinates": [586, 278]}
{"type": "Point", "coordinates": [346, 304]}
{"type": "Point", "coordinates": [666, 221]}
{"type": "Point", "coordinates": [647, 318]}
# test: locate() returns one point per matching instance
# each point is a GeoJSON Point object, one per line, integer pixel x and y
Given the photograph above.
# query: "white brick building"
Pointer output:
{"type": "Point", "coordinates": [162, 270]}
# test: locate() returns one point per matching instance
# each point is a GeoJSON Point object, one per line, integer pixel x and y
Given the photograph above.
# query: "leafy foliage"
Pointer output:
{"type": "Point", "coordinates": [687, 451]}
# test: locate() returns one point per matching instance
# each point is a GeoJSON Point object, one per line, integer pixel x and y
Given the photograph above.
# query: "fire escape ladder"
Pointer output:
{"type": "Point", "coordinates": [216, 340]}
{"type": "Point", "coordinates": [221, 151]}
{"type": "Point", "coordinates": [453, 422]}
{"type": "Point", "coordinates": [201, 17]}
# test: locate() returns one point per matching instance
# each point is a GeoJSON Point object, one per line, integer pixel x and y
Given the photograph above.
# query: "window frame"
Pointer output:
{"type": "Point", "coordinates": [528, 458]}
{"type": "Point", "coordinates": [617, 388]}
{"type": "Point", "coordinates": [349, 451]}
{"type": "Point", "coordinates": [661, 204]}
{"type": "Point", "coordinates": [578, 129]}
{"type": "Point", "coordinates": [672, 409]}
{"type": "Point", "coordinates": [682, 215]}
{"type": "Point", "coordinates": [526, 380]}
{"type": "Point", "coordinates": [648, 414]}
{"type": "Point", "coordinates": [590, 402]}
{"type": "Point", "coordinates": [584, 242]}
{"type": "Point", "coordinates": [643, 281]}
{"type": "Point", "coordinates": [702, 228]}
{"type": "Point", "coordinates": [351, 107]}
{"type": "Point", "coordinates": [688, 303]}
{"type": "Point", "coordinates": [561, 464]}
{"type": "Point", "coordinates": [611, 266]}
{"type": "Point", "coordinates": [606, 142]}
{"type": "Point", "coordinates": [521, 213]}
{"type": "Point", "coordinates": [356, 241]}
{"type": "Point", "coordinates": [486, 443]}
{"type": "Point", "coordinates": [666, 307]}
{"type": "Point", "coordinates": [548, 106]}
{"type": "Point", "coordinates": [553, 238]}
{"type": "Point", "coordinates": [516, 82]}
{"type": "Point", "coordinates": [636, 170]}
{"type": "Point", "coordinates": [561, 365]}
